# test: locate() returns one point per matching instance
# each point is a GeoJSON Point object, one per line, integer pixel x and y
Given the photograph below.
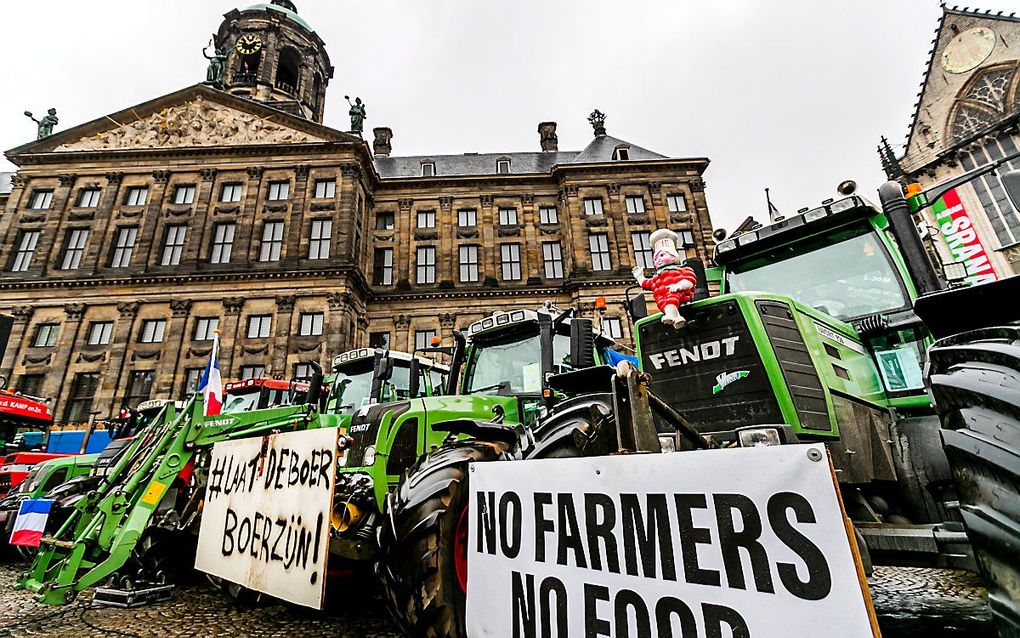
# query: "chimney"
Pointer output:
{"type": "Point", "coordinates": [381, 146]}
{"type": "Point", "coordinates": [547, 136]}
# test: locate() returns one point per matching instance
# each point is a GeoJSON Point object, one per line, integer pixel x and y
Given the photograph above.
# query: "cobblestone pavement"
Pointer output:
{"type": "Point", "coordinates": [910, 602]}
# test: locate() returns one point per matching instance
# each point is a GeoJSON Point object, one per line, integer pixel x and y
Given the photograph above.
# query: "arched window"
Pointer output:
{"type": "Point", "coordinates": [288, 71]}
{"type": "Point", "coordinates": [247, 68]}
{"type": "Point", "coordinates": [316, 91]}
{"type": "Point", "coordinates": [987, 99]}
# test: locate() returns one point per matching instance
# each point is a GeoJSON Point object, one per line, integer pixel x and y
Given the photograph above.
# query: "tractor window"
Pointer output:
{"type": "Point", "coordinates": [241, 402]}
{"type": "Point", "coordinates": [438, 379]}
{"type": "Point", "coordinates": [900, 358]}
{"type": "Point", "coordinates": [405, 448]}
{"type": "Point", "coordinates": [514, 367]}
{"type": "Point", "coordinates": [352, 388]}
{"type": "Point", "coordinates": [845, 274]}
{"type": "Point", "coordinates": [56, 478]}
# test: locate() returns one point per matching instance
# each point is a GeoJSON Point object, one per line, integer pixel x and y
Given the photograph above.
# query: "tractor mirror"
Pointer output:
{"type": "Point", "coordinates": [637, 307]}
{"type": "Point", "coordinates": [1011, 182]}
{"type": "Point", "coordinates": [414, 383]}
{"type": "Point", "coordinates": [384, 368]}
{"type": "Point", "coordinates": [582, 344]}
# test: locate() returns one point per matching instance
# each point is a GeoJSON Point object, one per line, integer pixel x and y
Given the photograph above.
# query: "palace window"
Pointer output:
{"type": "Point", "coordinates": [205, 328]}
{"type": "Point", "coordinates": [382, 271]}
{"type": "Point", "coordinates": [136, 196]}
{"type": "Point", "coordinates": [507, 216]}
{"type": "Point", "coordinates": [99, 333]}
{"type": "Point", "coordinates": [423, 339]}
{"type": "Point", "coordinates": [124, 247]}
{"type": "Point", "coordinates": [223, 243]}
{"type": "Point", "coordinates": [686, 238]}
{"type": "Point", "coordinates": [428, 169]}
{"type": "Point", "coordinates": [46, 335]}
{"type": "Point", "coordinates": [89, 197]}
{"type": "Point", "coordinates": [467, 217]}
{"type": "Point", "coordinates": [426, 265]}
{"type": "Point", "coordinates": [139, 387]}
{"type": "Point", "coordinates": [468, 263]}
{"type": "Point", "coordinates": [642, 249]}
{"type": "Point", "coordinates": [272, 241]}
{"type": "Point", "coordinates": [599, 246]}
{"type": "Point", "coordinates": [318, 242]}
{"type": "Point", "coordinates": [676, 202]}
{"type": "Point", "coordinates": [279, 191]}
{"type": "Point", "coordinates": [74, 249]}
{"type": "Point", "coordinates": [612, 327]}
{"type": "Point", "coordinates": [41, 199]}
{"type": "Point", "coordinates": [252, 372]}
{"type": "Point", "coordinates": [184, 194]}
{"type": "Point", "coordinates": [552, 259]}
{"type": "Point", "coordinates": [593, 206]}
{"type": "Point", "coordinates": [27, 241]}
{"type": "Point", "coordinates": [83, 391]}
{"type": "Point", "coordinates": [384, 220]}
{"type": "Point", "coordinates": [510, 259]}
{"type": "Point", "coordinates": [173, 247]}
{"type": "Point", "coordinates": [621, 153]}
{"type": "Point", "coordinates": [231, 193]}
{"type": "Point", "coordinates": [503, 166]}
{"type": "Point", "coordinates": [192, 377]}
{"type": "Point", "coordinates": [426, 219]}
{"type": "Point", "coordinates": [302, 371]}
{"type": "Point", "coordinates": [153, 331]}
{"type": "Point", "coordinates": [31, 384]}
{"type": "Point", "coordinates": [635, 204]}
{"type": "Point", "coordinates": [325, 188]}
{"type": "Point", "coordinates": [311, 324]}
{"type": "Point", "coordinates": [259, 326]}
{"type": "Point", "coordinates": [548, 215]}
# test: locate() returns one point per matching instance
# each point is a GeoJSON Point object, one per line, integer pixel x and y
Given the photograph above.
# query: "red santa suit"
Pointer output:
{"type": "Point", "coordinates": [665, 277]}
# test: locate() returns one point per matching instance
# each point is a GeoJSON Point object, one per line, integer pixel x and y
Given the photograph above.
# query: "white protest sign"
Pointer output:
{"type": "Point", "coordinates": [744, 542]}
{"type": "Point", "coordinates": [265, 523]}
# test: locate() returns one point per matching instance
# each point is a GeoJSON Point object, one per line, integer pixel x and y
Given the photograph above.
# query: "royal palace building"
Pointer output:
{"type": "Point", "coordinates": [126, 241]}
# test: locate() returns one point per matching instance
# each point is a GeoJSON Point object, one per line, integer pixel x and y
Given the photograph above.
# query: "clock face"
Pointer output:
{"type": "Point", "coordinates": [249, 44]}
{"type": "Point", "coordinates": [967, 50]}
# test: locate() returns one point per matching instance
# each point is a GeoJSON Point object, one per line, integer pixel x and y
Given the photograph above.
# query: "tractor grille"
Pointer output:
{"type": "Point", "coordinates": [699, 369]}
{"type": "Point", "coordinates": [364, 429]}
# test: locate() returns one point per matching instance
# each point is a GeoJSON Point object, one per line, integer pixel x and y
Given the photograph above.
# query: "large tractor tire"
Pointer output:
{"type": "Point", "coordinates": [423, 540]}
{"type": "Point", "coordinates": [975, 381]}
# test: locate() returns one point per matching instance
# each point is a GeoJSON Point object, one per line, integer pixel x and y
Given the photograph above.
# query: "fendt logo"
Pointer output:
{"type": "Point", "coordinates": [701, 352]}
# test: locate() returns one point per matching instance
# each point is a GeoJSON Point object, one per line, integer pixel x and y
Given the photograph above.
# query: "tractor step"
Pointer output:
{"type": "Point", "coordinates": [144, 594]}
{"type": "Point", "coordinates": [49, 540]}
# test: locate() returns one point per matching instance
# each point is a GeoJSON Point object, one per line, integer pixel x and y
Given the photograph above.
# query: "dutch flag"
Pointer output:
{"type": "Point", "coordinates": [31, 522]}
{"type": "Point", "coordinates": [211, 385]}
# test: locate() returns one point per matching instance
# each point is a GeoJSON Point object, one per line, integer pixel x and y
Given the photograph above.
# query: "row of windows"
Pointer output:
{"type": "Point", "coordinates": [428, 167]}
{"type": "Point", "coordinates": [42, 198]}
{"type": "Point", "coordinates": [99, 333]}
{"type": "Point", "coordinates": [510, 259]}
{"type": "Point", "coordinates": [174, 238]}
{"type": "Point", "coordinates": [468, 217]}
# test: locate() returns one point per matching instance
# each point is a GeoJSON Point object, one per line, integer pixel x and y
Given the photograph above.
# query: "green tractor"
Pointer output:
{"type": "Point", "coordinates": [825, 331]}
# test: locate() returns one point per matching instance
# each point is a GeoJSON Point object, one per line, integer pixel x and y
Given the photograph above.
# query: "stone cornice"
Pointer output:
{"type": "Point", "coordinates": [163, 280]}
{"type": "Point", "coordinates": [566, 287]}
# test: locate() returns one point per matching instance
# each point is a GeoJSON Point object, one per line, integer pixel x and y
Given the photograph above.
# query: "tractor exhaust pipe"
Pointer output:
{"type": "Point", "coordinates": [904, 229]}
{"type": "Point", "coordinates": [314, 384]}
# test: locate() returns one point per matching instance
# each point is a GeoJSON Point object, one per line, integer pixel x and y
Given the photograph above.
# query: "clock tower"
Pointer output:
{"type": "Point", "coordinates": [274, 57]}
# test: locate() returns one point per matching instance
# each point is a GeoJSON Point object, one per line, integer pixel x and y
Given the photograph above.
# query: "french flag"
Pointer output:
{"type": "Point", "coordinates": [211, 385]}
{"type": "Point", "coordinates": [31, 522]}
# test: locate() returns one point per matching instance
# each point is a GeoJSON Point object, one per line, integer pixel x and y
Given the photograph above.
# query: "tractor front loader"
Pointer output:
{"type": "Point", "coordinates": [149, 485]}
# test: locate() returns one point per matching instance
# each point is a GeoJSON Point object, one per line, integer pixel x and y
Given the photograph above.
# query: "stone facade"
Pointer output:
{"type": "Point", "coordinates": [117, 262]}
{"type": "Point", "coordinates": [967, 115]}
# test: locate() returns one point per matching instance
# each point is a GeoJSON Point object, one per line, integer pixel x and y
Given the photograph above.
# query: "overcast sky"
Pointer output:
{"type": "Point", "coordinates": [792, 95]}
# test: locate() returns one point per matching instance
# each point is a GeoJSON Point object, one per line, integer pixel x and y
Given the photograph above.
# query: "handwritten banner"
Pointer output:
{"type": "Point", "coordinates": [962, 239]}
{"type": "Point", "coordinates": [265, 522]}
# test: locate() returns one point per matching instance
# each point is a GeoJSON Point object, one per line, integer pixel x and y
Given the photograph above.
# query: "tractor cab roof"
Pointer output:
{"type": "Point", "coordinates": [21, 409]}
{"type": "Point", "coordinates": [806, 222]}
{"type": "Point", "coordinates": [360, 356]}
{"type": "Point", "coordinates": [252, 385]}
{"type": "Point", "coordinates": [501, 324]}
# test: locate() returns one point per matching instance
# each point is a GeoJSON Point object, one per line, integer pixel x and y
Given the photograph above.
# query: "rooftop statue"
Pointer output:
{"type": "Point", "coordinates": [217, 63]}
{"type": "Point", "coordinates": [357, 114]}
{"type": "Point", "coordinates": [46, 124]}
{"type": "Point", "coordinates": [597, 119]}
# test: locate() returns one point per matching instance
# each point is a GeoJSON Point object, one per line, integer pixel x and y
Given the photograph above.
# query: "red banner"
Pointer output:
{"type": "Point", "coordinates": [962, 239]}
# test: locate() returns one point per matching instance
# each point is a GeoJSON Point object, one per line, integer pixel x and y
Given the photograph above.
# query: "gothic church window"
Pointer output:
{"type": "Point", "coordinates": [983, 102]}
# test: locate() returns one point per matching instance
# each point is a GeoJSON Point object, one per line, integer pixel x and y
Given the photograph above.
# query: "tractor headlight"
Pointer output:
{"type": "Point", "coordinates": [667, 442]}
{"type": "Point", "coordinates": [369, 456]}
{"type": "Point", "coordinates": [759, 437]}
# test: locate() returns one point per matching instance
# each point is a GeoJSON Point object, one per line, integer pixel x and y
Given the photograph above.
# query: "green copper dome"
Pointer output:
{"type": "Point", "coordinates": [286, 8]}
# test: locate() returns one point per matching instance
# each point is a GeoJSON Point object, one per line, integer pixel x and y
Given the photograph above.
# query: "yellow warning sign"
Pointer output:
{"type": "Point", "coordinates": [154, 493]}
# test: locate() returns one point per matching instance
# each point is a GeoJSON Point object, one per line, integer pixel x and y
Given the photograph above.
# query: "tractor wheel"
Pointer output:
{"type": "Point", "coordinates": [975, 381]}
{"type": "Point", "coordinates": [423, 541]}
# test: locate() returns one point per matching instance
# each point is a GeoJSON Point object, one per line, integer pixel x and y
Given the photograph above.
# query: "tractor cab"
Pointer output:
{"type": "Point", "coordinates": [262, 393]}
{"type": "Point", "coordinates": [21, 414]}
{"type": "Point", "coordinates": [368, 376]}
